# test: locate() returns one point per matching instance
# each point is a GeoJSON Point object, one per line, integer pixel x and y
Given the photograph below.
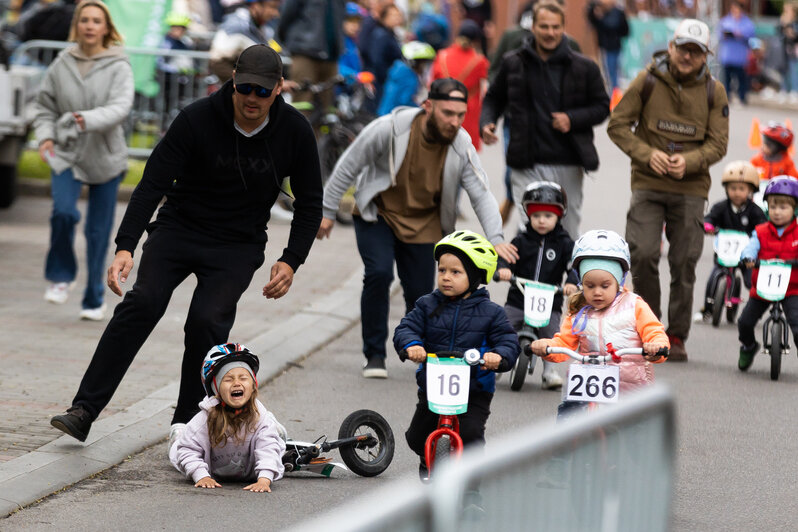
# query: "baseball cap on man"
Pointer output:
{"type": "Point", "coordinates": [442, 88]}
{"type": "Point", "coordinates": [692, 31]}
{"type": "Point", "coordinates": [259, 65]}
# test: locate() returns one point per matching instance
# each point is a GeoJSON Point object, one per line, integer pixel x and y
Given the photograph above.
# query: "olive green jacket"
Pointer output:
{"type": "Point", "coordinates": [676, 118]}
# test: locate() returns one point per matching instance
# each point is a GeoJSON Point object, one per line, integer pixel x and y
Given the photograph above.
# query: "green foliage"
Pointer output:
{"type": "Point", "coordinates": [32, 167]}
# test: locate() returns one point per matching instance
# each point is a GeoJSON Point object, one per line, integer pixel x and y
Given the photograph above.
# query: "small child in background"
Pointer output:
{"type": "Point", "coordinates": [544, 251]}
{"type": "Point", "coordinates": [233, 436]}
{"type": "Point", "coordinates": [406, 84]}
{"type": "Point", "coordinates": [773, 158]}
{"type": "Point", "coordinates": [350, 63]}
{"type": "Point", "coordinates": [775, 239]}
{"type": "Point", "coordinates": [177, 71]}
{"type": "Point", "coordinates": [458, 316]}
{"type": "Point", "coordinates": [605, 312]}
{"type": "Point", "coordinates": [737, 212]}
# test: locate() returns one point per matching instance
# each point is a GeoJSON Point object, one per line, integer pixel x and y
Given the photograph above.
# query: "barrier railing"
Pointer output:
{"type": "Point", "coordinates": [151, 115]}
{"type": "Point", "coordinates": [609, 470]}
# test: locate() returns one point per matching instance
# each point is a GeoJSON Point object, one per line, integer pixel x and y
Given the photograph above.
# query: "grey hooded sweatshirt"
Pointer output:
{"type": "Point", "coordinates": [103, 96]}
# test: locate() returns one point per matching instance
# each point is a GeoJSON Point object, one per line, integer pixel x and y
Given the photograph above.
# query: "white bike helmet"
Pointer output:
{"type": "Point", "coordinates": [602, 244]}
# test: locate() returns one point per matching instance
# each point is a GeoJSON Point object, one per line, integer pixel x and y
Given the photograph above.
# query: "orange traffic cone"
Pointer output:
{"type": "Point", "coordinates": [791, 150]}
{"type": "Point", "coordinates": [755, 137]}
{"type": "Point", "coordinates": [617, 94]}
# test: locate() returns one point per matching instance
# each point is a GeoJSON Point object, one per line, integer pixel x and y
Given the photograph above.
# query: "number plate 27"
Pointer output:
{"type": "Point", "coordinates": [587, 382]}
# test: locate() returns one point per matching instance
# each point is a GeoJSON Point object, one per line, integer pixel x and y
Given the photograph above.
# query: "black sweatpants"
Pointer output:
{"type": "Point", "coordinates": [472, 423]}
{"type": "Point", "coordinates": [223, 270]}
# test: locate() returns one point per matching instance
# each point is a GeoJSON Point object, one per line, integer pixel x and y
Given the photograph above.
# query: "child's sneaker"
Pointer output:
{"type": "Point", "coordinates": [747, 356]}
{"type": "Point", "coordinates": [551, 380]}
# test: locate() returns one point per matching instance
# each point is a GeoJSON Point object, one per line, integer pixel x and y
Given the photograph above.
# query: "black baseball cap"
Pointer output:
{"type": "Point", "coordinates": [259, 65]}
{"type": "Point", "coordinates": [470, 30]}
{"type": "Point", "coordinates": [443, 87]}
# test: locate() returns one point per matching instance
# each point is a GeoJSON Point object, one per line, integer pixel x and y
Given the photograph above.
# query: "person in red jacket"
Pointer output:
{"type": "Point", "coordinates": [775, 239]}
{"type": "Point", "coordinates": [462, 62]}
{"type": "Point", "coordinates": [773, 159]}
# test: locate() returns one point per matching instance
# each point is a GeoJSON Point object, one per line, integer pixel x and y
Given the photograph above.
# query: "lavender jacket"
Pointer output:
{"type": "Point", "coordinates": [260, 456]}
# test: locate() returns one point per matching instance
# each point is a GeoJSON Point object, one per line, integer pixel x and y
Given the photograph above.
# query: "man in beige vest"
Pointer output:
{"type": "Point", "coordinates": [680, 117]}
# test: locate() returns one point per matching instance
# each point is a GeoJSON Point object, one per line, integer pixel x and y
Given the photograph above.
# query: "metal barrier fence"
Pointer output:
{"type": "Point", "coordinates": [151, 115]}
{"type": "Point", "coordinates": [609, 470]}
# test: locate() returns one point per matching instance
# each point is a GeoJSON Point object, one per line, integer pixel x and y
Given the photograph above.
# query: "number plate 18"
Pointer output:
{"type": "Point", "coordinates": [588, 382]}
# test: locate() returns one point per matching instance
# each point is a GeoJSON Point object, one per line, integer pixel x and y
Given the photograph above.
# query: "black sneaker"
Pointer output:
{"type": "Point", "coordinates": [374, 368]}
{"type": "Point", "coordinates": [423, 473]}
{"type": "Point", "coordinates": [76, 422]}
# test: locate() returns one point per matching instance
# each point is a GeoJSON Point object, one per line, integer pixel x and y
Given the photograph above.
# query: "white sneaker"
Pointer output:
{"type": "Point", "coordinates": [174, 433]}
{"type": "Point", "coordinates": [551, 379]}
{"type": "Point", "coordinates": [57, 293]}
{"type": "Point", "coordinates": [93, 314]}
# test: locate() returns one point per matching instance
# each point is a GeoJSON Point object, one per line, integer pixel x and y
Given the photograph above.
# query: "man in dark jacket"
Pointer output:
{"type": "Point", "coordinates": [611, 26]}
{"type": "Point", "coordinates": [221, 166]}
{"type": "Point", "coordinates": [312, 30]}
{"type": "Point", "coordinates": [555, 96]}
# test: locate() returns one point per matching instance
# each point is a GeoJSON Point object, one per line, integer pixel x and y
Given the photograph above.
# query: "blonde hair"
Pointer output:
{"type": "Point", "coordinates": [113, 36]}
{"type": "Point", "coordinates": [224, 424]}
{"type": "Point", "coordinates": [576, 301]}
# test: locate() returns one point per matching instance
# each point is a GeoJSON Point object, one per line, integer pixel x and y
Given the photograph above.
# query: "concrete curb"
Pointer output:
{"type": "Point", "coordinates": [63, 462]}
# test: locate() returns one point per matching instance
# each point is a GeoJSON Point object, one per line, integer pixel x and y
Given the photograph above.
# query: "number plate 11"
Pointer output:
{"type": "Point", "coordinates": [588, 382]}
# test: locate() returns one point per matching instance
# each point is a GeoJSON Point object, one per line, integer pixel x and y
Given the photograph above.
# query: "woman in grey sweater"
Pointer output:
{"type": "Point", "coordinates": [85, 97]}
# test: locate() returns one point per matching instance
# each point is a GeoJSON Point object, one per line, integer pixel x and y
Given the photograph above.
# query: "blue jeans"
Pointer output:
{"type": "Point", "coordinates": [379, 249]}
{"type": "Point", "coordinates": [738, 72]}
{"type": "Point", "coordinates": [61, 264]}
{"type": "Point", "coordinates": [611, 67]}
{"type": "Point", "coordinates": [791, 79]}
{"type": "Point", "coordinates": [508, 186]}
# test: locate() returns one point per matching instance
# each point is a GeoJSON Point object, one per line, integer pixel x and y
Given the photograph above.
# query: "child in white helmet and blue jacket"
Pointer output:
{"type": "Point", "coordinates": [458, 316]}
{"type": "Point", "coordinates": [604, 312]}
{"type": "Point", "coordinates": [233, 436]}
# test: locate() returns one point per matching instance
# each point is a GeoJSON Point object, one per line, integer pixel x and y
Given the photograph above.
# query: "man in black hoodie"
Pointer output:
{"type": "Point", "coordinates": [221, 166]}
{"type": "Point", "coordinates": [555, 96]}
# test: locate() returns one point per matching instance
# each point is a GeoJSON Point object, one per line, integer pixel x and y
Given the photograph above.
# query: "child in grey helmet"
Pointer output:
{"type": "Point", "coordinates": [544, 250]}
{"type": "Point", "coordinates": [233, 436]}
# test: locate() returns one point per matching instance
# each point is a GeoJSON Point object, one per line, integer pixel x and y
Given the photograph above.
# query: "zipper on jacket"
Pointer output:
{"type": "Point", "coordinates": [454, 324]}
{"type": "Point", "coordinates": [540, 257]}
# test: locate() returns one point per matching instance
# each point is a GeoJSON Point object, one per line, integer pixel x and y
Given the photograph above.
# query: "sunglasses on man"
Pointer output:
{"type": "Point", "coordinates": [247, 88]}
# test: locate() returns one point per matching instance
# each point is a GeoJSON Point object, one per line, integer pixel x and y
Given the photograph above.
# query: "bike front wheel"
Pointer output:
{"type": "Point", "coordinates": [367, 459]}
{"type": "Point", "coordinates": [719, 299]}
{"type": "Point", "coordinates": [776, 337]}
{"type": "Point", "coordinates": [519, 372]}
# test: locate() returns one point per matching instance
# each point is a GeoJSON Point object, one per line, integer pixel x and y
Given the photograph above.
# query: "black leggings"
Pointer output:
{"type": "Point", "coordinates": [754, 310]}
{"type": "Point", "coordinates": [223, 271]}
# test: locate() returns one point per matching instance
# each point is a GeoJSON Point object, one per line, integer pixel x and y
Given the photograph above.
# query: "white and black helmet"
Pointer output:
{"type": "Point", "coordinates": [545, 193]}
{"type": "Point", "coordinates": [223, 354]}
{"type": "Point", "coordinates": [602, 244]}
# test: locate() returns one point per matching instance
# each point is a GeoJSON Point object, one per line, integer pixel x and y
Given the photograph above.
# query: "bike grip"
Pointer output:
{"type": "Point", "coordinates": [709, 228]}
{"type": "Point", "coordinates": [663, 352]}
{"type": "Point", "coordinates": [528, 350]}
{"type": "Point", "coordinates": [403, 355]}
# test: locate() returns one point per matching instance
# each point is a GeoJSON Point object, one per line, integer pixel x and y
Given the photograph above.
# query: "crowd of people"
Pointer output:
{"type": "Point", "coordinates": [233, 151]}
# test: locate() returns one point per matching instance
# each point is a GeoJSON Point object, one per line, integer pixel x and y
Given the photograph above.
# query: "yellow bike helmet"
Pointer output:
{"type": "Point", "coordinates": [473, 248]}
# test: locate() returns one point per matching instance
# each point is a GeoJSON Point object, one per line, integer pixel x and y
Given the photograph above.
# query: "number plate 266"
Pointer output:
{"type": "Point", "coordinates": [587, 382]}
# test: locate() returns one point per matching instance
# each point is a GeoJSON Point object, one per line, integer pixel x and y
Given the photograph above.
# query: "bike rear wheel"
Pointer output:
{"type": "Point", "coordinates": [331, 146]}
{"type": "Point", "coordinates": [719, 299]}
{"type": "Point", "coordinates": [776, 337]}
{"type": "Point", "coordinates": [367, 460]}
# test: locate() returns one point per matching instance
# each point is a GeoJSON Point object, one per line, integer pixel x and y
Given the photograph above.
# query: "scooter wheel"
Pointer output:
{"type": "Point", "coordinates": [367, 460]}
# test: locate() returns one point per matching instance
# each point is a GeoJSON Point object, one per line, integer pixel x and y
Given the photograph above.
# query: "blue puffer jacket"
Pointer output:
{"type": "Point", "coordinates": [474, 322]}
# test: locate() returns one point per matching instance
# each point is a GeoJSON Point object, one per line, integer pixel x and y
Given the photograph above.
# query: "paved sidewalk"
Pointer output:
{"type": "Point", "coordinates": [46, 349]}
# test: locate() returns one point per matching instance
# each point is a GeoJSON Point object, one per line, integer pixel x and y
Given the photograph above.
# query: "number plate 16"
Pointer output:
{"type": "Point", "coordinates": [448, 381]}
{"type": "Point", "coordinates": [588, 382]}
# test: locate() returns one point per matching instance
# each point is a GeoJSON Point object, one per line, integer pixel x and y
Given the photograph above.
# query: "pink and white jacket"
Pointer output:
{"type": "Point", "coordinates": [627, 322]}
{"type": "Point", "coordinates": [260, 456]}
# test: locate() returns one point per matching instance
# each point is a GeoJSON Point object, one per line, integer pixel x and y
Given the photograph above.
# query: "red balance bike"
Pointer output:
{"type": "Point", "coordinates": [448, 382]}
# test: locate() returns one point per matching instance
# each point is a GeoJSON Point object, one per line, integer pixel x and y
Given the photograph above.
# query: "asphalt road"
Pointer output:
{"type": "Point", "coordinates": [735, 462]}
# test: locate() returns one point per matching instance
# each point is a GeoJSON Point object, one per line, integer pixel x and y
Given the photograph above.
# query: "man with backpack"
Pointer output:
{"type": "Point", "coordinates": [673, 122]}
